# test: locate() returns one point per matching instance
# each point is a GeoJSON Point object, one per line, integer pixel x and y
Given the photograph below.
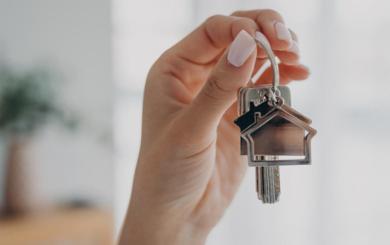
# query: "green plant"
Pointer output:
{"type": "Point", "coordinates": [28, 101]}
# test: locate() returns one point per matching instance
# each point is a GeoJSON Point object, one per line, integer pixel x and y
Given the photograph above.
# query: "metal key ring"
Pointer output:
{"type": "Point", "coordinates": [262, 41]}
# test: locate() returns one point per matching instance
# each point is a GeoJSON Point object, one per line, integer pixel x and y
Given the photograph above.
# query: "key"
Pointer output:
{"type": "Point", "coordinates": [268, 184]}
{"type": "Point", "coordinates": [272, 133]}
{"type": "Point", "coordinates": [267, 178]}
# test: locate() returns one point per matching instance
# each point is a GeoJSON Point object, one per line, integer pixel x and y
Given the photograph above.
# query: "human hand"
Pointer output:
{"type": "Point", "coordinates": [189, 165]}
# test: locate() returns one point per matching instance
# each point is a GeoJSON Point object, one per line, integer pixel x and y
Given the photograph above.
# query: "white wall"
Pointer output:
{"type": "Point", "coordinates": [74, 38]}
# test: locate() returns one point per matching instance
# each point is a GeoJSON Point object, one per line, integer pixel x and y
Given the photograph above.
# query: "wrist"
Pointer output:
{"type": "Point", "coordinates": [142, 229]}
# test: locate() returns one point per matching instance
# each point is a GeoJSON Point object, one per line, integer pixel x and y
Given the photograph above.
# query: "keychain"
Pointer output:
{"type": "Point", "coordinates": [272, 132]}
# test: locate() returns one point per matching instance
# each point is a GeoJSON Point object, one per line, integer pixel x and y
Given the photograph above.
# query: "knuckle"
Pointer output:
{"type": "Point", "coordinates": [215, 90]}
{"type": "Point", "coordinates": [212, 19]}
{"type": "Point", "coordinates": [269, 13]}
{"type": "Point", "coordinates": [244, 23]}
{"type": "Point", "coordinates": [210, 90]}
{"type": "Point", "coordinates": [237, 13]}
{"type": "Point", "coordinates": [210, 26]}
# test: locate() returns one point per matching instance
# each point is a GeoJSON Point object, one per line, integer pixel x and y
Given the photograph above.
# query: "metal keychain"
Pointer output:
{"type": "Point", "coordinates": [272, 133]}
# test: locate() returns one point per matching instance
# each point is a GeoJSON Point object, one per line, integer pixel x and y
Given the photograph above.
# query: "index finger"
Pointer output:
{"type": "Point", "coordinates": [206, 42]}
{"type": "Point", "coordinates": [272, 25]}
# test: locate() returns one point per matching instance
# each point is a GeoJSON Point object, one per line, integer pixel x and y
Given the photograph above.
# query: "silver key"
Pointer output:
{"type": "Point", "coordinates": [267, 178]}
{"type": "Point", "coordinates": [268, 184]}
{"type": "Point", "coordinates": [272, 133]}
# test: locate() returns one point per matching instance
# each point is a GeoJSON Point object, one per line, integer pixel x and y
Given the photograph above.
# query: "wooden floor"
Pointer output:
{"type": "Point", "coordinates": [76, 227]}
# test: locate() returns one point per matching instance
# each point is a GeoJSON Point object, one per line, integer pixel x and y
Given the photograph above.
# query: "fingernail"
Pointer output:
{"type": "Point", "coordinates": [294, 48]}
{"type": "Point", "coordinates": [241, 48]}
{"type": "Point", "coordinates": [282, 32]}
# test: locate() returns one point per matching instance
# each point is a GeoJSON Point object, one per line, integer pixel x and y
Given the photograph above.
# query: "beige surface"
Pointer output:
{"type": "Point", "coordinates": [76, 227]}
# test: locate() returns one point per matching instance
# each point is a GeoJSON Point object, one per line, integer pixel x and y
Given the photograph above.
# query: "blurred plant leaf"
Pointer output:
{"type": "Point", "coordinates": [28, 101]}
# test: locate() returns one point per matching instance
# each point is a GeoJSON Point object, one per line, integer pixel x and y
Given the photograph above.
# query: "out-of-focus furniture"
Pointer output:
{"type": "Point", "coordinates": [83, 226]}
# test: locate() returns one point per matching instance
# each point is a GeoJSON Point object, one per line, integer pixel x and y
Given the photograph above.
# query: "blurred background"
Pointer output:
{"type": "Point", "coordinates": [56, 108]}
{"type": "Point", "coordinates": [68, 161]}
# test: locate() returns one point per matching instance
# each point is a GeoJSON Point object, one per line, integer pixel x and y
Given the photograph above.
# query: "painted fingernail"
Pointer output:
{"type": "Point", "coordinates": [282, 32]}
{"type": "Point", "coordinates": [294, 48]}
{"type": "Point", "coordinates": [241, 48]}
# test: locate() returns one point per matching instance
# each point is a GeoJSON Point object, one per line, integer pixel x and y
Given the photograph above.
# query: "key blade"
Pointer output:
{"type": "Point", "coordinates": [268, 184]}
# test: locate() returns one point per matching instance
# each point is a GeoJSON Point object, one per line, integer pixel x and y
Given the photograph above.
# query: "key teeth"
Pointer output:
{"type": "Point", "coordinates": [259, 196]}
{"type": "Point", "coordinates": [268, 184]}
{"type": "Point", "coordinates": [271, 200]}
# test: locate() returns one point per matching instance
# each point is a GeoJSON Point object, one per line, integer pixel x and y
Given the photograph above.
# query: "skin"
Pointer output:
{"type": "Point", "coordinates": [189, 166]}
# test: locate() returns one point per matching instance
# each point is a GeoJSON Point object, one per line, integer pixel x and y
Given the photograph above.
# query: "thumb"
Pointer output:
{"type": "Point", "coordinates": [232, 71]}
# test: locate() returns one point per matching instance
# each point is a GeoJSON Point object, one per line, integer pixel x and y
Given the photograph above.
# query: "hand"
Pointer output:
{"type": "Point", "coordinates": [189, 165]}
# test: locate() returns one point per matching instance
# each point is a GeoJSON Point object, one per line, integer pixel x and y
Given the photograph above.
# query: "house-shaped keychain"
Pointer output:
{"type": "Point", "coordinates": [275, 135]}
{"type": "Point", "coordinates": [272, 133]}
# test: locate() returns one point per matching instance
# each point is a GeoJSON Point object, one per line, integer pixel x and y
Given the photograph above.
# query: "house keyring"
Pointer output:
{"type": "Point", "coordinates": [272, 133]}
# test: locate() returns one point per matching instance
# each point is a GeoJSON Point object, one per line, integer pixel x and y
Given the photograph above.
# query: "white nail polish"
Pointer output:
{"type": "Point", "coordinates": [282, 32]}
{"type": "Point", "coordinates": [241, 48]}
{"type": "Point", "coordinates": [294, 48]}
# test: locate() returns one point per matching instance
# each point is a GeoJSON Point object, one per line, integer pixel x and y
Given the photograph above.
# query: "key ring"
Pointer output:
{"type": "Point", "coordinates": [262, 41]}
